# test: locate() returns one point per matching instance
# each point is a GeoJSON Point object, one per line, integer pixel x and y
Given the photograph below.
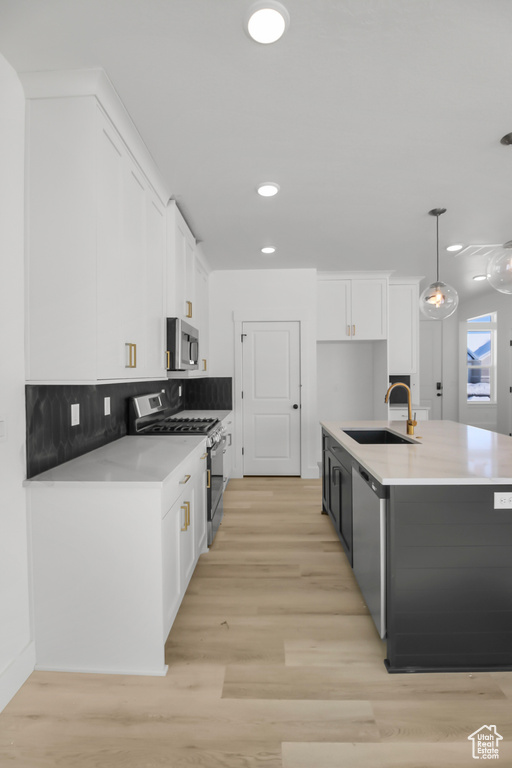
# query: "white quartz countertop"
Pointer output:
{"type": "Point", "coordinates": [131, 460]}
{"type": "Point", "coordinates": [445, 453]}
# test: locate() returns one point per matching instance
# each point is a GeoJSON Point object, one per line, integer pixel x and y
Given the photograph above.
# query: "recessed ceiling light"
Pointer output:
{"type": "Point", "coordinates": [268, 249]}
{"type": "Point", "coordinates": [480, 277]}
{"type": "Point", "coordinates": [268, 189]}
{"type": "Point", "coordinates": [266, 21]}
{"type": "Point", "coordinates": [455, 248]}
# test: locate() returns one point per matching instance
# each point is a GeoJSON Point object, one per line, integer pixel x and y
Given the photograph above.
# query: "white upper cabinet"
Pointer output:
{"type": "Point", "coordinates": [352, 308]}
{"type": "Point", "coordinates": [187, 284]}
{"type": "Point", "coordinates": [403, 339]}
{"type": "Point", "coordinates": [181, 275]}
{"type": "Point", "coordinates": [96, 245]}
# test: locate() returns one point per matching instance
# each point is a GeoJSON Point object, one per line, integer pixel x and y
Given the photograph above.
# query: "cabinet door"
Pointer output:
{"type": "Point", "coordinates": [186, 517]}
{"type": "Point", "coordinates": [200, 310]}
{"type": "Point", "coordinates": [171, 590]}
{"type": "Point", "coordinates": [333, 320]}
{"type": "Point", "coordinates": [403, 329]}
{"type": "Point", "coordinates": [369, 308]}
{"type": "Point", "coordinates": [154, 359]}
{"type": "Point", "coordinates": [182, 267]}
{"type": "Point", "coordinates": [111, 169]}
{"type": "Point", "coordinates": [200, 491]}
{"type": "Point", "coordinates": [228, 449]}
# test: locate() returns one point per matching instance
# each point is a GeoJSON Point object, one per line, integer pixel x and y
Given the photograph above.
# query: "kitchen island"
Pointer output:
{"type": "Point", "coordinates": [433, 552]}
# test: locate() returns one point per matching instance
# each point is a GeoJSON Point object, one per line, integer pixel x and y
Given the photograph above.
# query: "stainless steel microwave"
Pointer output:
{"type": "Point", "coordinates": [182, 345]}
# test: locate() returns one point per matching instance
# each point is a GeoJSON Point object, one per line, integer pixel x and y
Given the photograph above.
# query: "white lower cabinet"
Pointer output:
{"type": "Point", "coordinates": [111, 563]}
{"type": "Point", "coordinates": [228, 425]}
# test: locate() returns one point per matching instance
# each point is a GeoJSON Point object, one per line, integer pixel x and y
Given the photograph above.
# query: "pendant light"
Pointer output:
{"type": "Point", "coordinates": [439, 300]}
{"type": "Point", "coordinates": [499, 269]}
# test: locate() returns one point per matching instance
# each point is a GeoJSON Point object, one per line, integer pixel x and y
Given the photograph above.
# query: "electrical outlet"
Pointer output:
{"type": "Point", "coordinates": [503, 500]}
{"type": "Point", "coordinates": [75, 414]}
{"type": "Point", "coordinates": [106, 406]}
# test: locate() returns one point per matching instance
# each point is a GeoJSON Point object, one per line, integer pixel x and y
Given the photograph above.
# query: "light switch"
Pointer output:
{"type": "Point", "coordinates": [75, 414]}
{"type": "Point", "coordinates": [106, 406]}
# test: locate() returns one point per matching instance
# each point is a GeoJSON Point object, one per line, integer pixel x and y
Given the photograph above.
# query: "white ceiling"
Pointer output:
{"type": "Point", "coordinates": [368, 113]}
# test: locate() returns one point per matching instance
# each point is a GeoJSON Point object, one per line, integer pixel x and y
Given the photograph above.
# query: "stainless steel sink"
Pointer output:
{"type": "Point", "coordinates": [378, 437]}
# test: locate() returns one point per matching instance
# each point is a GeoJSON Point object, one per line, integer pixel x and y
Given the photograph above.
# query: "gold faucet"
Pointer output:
{"type": "Point", "coordinates": [410, 421]}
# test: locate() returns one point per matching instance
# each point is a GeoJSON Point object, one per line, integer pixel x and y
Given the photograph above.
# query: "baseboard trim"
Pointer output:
{"type": "Point", "coordinates": [13, 677]}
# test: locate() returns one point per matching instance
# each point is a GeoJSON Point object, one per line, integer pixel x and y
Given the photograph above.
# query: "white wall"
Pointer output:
{"type": "Point", "coordinates": [499, 418]}
{"type": "Point", "coordinates": [280, 293]}
{"type": "Point", "coordinates": [16, 649]}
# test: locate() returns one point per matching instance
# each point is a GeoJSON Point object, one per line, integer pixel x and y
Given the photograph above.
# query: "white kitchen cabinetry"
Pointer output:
{"type": "Point", "coordinates": [352, 308]}
{"type": "Point", "coordinates": [227, 423]}
{"type": "Point", "coordinates": [187, 285]}
{"type": "Point", "coordinates": [181, 275]}
{"type": "Point", "coordinates": [403, 341]}
{"type": "Point", "coordinates": [111, 562]}
{"type": "Point", "coordinates": [96, 245]}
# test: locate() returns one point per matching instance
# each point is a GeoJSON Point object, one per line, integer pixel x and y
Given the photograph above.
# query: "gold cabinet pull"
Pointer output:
{"type": "Point", "coordinates": [209, 479]}
{"type": "Point", "coordinates": [185, 526]}
{"type": "Point", "coordinates": [189, 308]}
{"type": "Point", "coordinates": [204, 455]}
{"type": "Point", "coordinates": [353, 330]}
{"type": "Point", "coordinates": [168, 359]}
{"type": "Point", "coordinates": [132, 355]}
{"type": "Point", "coordinates": [185, 480]}
{"type": "Point", "coordinates": [348, 330]}
{"type": "Point", "coordinates": [204, 364]}
{"type": "Point", "coordinates": [188, 512]}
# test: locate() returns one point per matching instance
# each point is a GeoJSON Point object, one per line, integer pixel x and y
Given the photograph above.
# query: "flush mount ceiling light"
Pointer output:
{"type": "Point", "coordinates": [454, 248]}
{"type": "Point", "coordinates": [268, 249]}
{"type": "Point", "coordinates": [499, 269]}
{"type": "Point", "coordinates": [268, 189]}
{"type": "Point", "coordinates": [266, 21]}
{"type": "Point", "coordinates": [439, 300]}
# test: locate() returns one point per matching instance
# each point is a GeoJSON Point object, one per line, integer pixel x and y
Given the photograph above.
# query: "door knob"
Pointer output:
{"type": "Point", "coordinates": [295, 406]}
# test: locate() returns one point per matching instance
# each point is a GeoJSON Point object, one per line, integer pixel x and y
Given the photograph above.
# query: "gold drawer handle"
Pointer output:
{"type": "Point", "coordinates": [132, 355]}
{"type": "Point", "coordinates": [204, 455]}
{"type": "Point", "coordinates": [168, 360]}
{"type": "Point", "coordinates": [185, 480]}
{"type": "Point", "coordinates": [189, 308]}
{"type": "Point", "coordinates": [209, 479]}
{"type": "Point", "coordinates": [185, 526]}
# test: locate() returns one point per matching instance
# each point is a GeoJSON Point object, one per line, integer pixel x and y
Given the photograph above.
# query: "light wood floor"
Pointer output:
{"type": "Point", "coordinates": [273, 663]}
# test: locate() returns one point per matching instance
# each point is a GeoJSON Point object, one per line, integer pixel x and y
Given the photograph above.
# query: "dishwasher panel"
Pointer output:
{"type": "Point", "coordinates": [369, 543]}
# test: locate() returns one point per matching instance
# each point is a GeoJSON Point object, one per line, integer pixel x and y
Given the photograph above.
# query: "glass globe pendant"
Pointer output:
{"type": "Point", "coordinates": [439, 300]}
{"type": "Point", "coordinates": [499, 270]}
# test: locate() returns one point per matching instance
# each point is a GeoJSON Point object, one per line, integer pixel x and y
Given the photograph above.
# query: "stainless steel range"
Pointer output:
{"type": "Point", "coordinates": [150, 415]}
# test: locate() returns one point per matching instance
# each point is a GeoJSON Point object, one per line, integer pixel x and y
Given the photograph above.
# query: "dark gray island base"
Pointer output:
{"type": "Point", "coordinates": [449, 579]}
{"type": "Point", "coordinates": [446, 573]}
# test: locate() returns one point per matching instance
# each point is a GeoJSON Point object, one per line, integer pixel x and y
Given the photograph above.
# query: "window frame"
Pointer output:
{"type": "Point", "coordinates": [488, 326]}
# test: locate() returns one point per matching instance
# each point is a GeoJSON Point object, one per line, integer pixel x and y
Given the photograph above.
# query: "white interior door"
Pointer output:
{"type": "Point", "coordinates": [431, 366]}
{"type": "Point", "coordinates": [271, 398]}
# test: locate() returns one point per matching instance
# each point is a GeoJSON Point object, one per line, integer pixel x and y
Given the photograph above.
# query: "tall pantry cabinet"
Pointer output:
{"type": "Point", "coordinates": [96, 235]}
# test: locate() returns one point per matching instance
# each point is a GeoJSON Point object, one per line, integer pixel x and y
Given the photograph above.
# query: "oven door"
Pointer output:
{"type": "Point", "coordinates": [216, 487]}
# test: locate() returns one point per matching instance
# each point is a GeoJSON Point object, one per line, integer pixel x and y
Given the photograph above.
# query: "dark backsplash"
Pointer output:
{"type": "Point", "coordinates": [51, 440]}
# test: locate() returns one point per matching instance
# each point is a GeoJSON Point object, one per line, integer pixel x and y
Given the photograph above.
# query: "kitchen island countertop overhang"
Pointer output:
{"type": "Point", "coordinates": [444, 453]}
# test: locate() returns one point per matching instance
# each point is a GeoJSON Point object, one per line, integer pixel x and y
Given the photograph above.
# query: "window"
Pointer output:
{"type": "Point", "coordinates": [481, 358]}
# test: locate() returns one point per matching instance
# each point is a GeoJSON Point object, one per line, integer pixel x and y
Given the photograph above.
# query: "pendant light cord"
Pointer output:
{"type": "Point", "coordinates": [437, 238]}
